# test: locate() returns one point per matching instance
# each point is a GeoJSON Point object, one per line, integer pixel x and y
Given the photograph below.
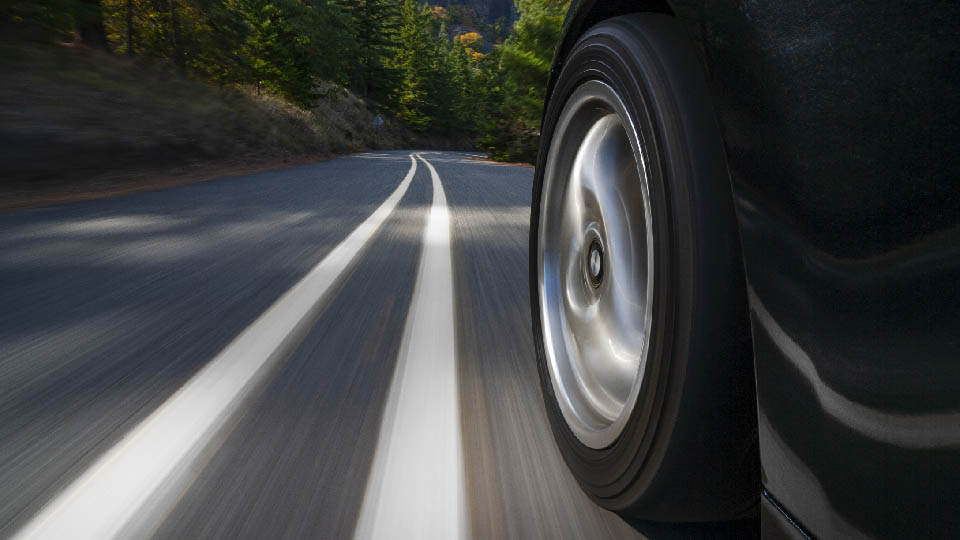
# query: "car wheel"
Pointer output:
{"type": "Point", "coordinates": [637, 287]}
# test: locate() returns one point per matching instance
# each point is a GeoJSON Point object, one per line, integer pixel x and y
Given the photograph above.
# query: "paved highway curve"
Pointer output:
{"type": "Point", "coordinates": [215, 361]}
{"type": "Point", "coordinates": [336, 350]}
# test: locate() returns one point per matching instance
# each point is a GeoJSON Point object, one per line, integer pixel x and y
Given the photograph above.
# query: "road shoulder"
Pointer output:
{"type": "Point", "coordinates": [21, 195]}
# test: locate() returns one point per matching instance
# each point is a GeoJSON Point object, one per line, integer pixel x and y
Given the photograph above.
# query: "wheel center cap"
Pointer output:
{"type": "Point", "coordinates": [595, 263]}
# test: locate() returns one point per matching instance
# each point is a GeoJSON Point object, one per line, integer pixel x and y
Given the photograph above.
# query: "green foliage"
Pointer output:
{"type": "Point", "coordinates": [46, 19]}
{"type": "Point", "coordinates": [413, 62]}
{"type": "Point", "coordinates": [374, 27]}
{"type": "Point", "coordinates": [512, 131]}
{"type": "Point", "coordinates": [436, 89]}
{"type": "Point", "coordinates": [291, 46]}
{"type": "Point", "coordinates": [399, 53]}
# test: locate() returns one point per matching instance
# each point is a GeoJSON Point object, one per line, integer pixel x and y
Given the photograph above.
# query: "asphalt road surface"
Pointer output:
{"type": "Point", "coordinates": [336, 350]}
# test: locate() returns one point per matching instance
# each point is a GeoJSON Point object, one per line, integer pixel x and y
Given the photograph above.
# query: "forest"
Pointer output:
{"type": "Point", "coordinates": [440, 70]}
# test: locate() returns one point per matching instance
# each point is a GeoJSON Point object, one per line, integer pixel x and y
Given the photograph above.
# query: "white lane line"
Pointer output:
{"type": "Point", "coordinates": [137, 481]}
{"type": "Point", "coordinates": [416, 484]}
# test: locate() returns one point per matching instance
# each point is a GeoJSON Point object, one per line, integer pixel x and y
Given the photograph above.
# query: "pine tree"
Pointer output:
{"type": "Point", "coordinates": [412, 60]}
{"type": "Point", "coordinates": [463, 76]}
{"type": "Point", "coordinates": [292, 45]}
{"type": "Point", "coordinates": [374, 28]}
{"type": "Point", "coordinates": [89, 19]}
{"type": "Point", "coordinates": [524, 66]}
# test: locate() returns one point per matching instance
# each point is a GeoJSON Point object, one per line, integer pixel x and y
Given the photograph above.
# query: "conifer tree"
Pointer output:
{"type": "Point", "coordinates": [374, 27]}
{"type": "Point", "coordinates": [413, 62]}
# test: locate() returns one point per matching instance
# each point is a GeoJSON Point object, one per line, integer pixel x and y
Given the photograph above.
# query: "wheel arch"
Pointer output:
{"type": "Point", "coordinates": [584, 14]}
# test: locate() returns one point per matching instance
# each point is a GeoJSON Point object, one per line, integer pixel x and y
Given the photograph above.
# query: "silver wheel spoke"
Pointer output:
{"type": "Point", "coordinates": [595, 265]}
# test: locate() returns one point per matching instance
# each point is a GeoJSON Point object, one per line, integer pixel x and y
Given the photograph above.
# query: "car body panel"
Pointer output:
{"type": "Point", "coordinates": [840, 121]}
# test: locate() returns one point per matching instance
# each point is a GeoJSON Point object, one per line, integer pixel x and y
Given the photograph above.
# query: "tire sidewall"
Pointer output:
{"type": "Point", "coordinates": [638, 471]}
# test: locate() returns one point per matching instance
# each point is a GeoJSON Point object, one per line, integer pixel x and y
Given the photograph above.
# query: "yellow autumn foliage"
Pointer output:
{"type": "Point", "coordinates": [469, 39]}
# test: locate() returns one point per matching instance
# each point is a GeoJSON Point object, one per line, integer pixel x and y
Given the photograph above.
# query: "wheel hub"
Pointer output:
{"type": "Point", "coordinates": [594, 266]}
{"type": "Point", "coordinates": [595, 261]}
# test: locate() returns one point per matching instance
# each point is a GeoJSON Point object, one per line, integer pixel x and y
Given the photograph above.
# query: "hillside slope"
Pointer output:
{"type": "Point", "coordinates": [68, 113]}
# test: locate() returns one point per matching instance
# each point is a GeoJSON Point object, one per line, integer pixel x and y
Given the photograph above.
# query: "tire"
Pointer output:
{"type": "Point", "coordinates": [653, 407]}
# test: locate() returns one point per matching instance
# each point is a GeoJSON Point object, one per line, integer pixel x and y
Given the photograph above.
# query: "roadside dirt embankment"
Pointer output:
{"type": "Point", "coordinates": [75, 123]}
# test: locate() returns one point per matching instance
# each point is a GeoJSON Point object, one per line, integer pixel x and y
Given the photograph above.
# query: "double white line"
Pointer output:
{"type": "Point", "coordinates": [131, 488]}
{"type": "Point", "coordinates": [415, 489]}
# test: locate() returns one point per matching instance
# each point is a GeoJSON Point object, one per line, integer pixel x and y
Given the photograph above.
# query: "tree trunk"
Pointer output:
{"type": "Point", "coordinates": [130, 28]}
{"type": "Point", "coordinates": [178, 58]}
{"type": "Point", "coordinates": [89, 20]}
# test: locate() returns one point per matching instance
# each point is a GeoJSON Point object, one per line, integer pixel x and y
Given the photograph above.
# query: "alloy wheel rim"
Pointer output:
{"type": "Point", "coordinates": [595, 264]}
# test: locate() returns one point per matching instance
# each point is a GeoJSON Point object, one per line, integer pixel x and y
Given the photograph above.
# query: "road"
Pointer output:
{"type": "Point", "coordinates": [333, 350]}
